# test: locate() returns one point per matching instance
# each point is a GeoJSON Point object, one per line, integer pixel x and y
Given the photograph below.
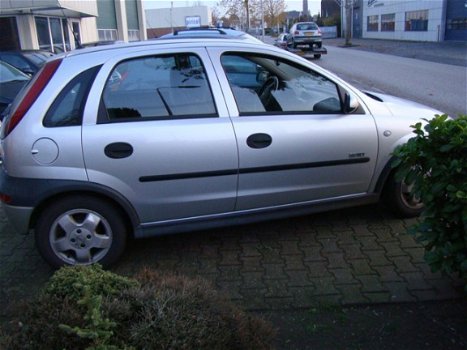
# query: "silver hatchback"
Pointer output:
{"type": "Point", "coordinates": [165, 136]}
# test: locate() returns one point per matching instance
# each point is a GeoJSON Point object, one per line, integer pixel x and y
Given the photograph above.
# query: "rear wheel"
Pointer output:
{"type": "Point", "coordinates": [80, 230]}
{"type": "Point", "coordinates": [398, 197]}
{"type": "Point", "coordinates": [317, 56]}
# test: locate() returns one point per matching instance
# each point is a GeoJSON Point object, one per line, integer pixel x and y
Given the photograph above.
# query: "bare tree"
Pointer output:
{"type": "Point", "coordinates": [274, 11]}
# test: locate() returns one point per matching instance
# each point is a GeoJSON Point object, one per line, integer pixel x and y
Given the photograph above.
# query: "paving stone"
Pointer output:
{"type": "Point", "coordinates": [325, 286]}
{"type": "Point", "coordinates": [393, 249]}
{"type": "Point", "coordinates": [398, 292]}
{"type": "Point", "coordinates": [271, 255]}
{"type": "Point", "coordinates": [351, 294]}
{"type": "Point", "coordinates": [403, 264]}
{"type": "Point", "coordinates": [369, 243]}
{"type": "Point", "coordinates": [229, 273]}
{"type": "Point", "coordinates": [276, 289]}
{"type": "Point", "coordinates": [253, 280]}
{"type": "Point", "coordinates": [290, 248]}
{"type": "Point", "coordinates": [383, 234]}
{"type": "Point", "coordinates": [274, 271]}
{"type": "Point", "coordinates": [377, 258]}
{"type": "Point", "coordinates": [232, 289]}
{"type": "Point", "coordinates": [343, 276]}
{"type": "Point", "coordinates": [229, 257]}
{"type": "Point", "coordinates": [416, 254]}
{"type": "Point", "coordinates": [324, 232]}
{"type": "Point", "coordinates": [294, 262]}
{"type": "Point", "coordinates": [361, 267]}
{"type": "Point", "coordinates": [407, 241]}
{"type": "Point", "coordinates": [352, 251]}
{"type": "Point", "coordinates": [253, 299]}
{"type": "Point", "coordinates": [329, 245]}
{"type": "Point", "coordinates": [362, 230]}
{"type": "Point", "coordinates": [250, 249]}
{"type": "Point", "coordinates": [303, 296]}
{"type": "Point", "coordinates": [371, 283]}
{"type": "Point", "coordinates": [312, 253]}
{"type": "Point", "coordinates": [298, 279]}
{"type": "Point", "coordinates": [388, 273]}
{"type": "Point", "coordinates": [336, 260]}
{"type": "Point", "coordinates": [317, 269]}
{"type": "Point", "coordinates": [251, 263]}
{"type": "Point", "coordinates": [378, 297]}
{"type": "Point", "coordinates": [280, 303]}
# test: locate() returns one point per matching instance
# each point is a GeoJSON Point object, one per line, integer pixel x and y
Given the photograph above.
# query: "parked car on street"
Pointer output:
{"type": "Point", "coordinates": [281, 41]}
{"type": "Point", "coordinates": [165, 136]}
{"type": "Point", "coordinates": [27, 61]}
{"type": "Point", "coordinates": [210, 32]}
{"type": "Point", "coordinates": [12, 81]}
{"type": "Point", "coordinates": [305, 33]}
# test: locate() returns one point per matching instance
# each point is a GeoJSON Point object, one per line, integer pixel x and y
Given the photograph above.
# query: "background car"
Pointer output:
{"type": "Point", "coordinates": [12, 81]}
{"type": "Point", "coordinates": [27, 61]}
{"type": "Point", "coordinates": [211, 32]}
{"type": "Point", "coordinates": [305, 33]}
{"type": "Point", "coordinates": [281, 41]}
{"type": "Point", "coordinates": [164, 136]}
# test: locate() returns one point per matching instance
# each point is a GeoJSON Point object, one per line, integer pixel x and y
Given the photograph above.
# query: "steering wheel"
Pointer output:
{"type": "Point", "coordinates": [271, 84]}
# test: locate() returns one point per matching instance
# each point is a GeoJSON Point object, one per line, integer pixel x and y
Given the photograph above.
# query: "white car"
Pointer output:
{"type": "Point", "coordinates": [305, 33]}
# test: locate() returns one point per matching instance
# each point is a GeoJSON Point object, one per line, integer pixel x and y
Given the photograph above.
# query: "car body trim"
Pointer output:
{"type": "Point", "coordinates": [250, 216]}
{"type": "Point", "coordinates": [228, 172]}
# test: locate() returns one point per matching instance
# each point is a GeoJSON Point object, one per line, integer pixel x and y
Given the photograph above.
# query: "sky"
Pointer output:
{"type": "Point", "coordinates": [313, 5]}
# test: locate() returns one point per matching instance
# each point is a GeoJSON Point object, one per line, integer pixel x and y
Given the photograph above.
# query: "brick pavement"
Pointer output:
{"type": "Point", "coordinates": [353, 256]}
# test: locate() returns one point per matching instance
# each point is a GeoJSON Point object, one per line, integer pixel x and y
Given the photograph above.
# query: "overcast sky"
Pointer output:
{"type": "Point", "coordinates": [313, 5]}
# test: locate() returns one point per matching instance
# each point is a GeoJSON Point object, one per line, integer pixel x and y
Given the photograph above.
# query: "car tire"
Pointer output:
{"type": "Point", "coordinates": [294, 44]}
{"type": "Point", "coordinates": [81, 230]}
{"type": "Point", "coordinates": [317, 56]}
{"type": "Point", "coordinates": [319, 45]}
{"type": "Point", "coordinates": [399, 200]}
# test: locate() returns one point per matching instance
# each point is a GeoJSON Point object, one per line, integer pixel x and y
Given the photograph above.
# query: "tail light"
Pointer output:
{"type": "Point", "coordinates": [296, 32]}
{"type": "Point", "coordinates": [37, 85]}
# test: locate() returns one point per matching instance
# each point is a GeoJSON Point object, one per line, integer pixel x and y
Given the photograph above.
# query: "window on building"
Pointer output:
{"type": "Point", "coordinates": [388, 22]}
{"type": "Point", "coordinates": [52, 34]}
{"type": "Point", "coordinates": [457, 23]}
{"type": "Point", "coordinates": [107, 34]}
{"type": "Point", "coordinates": [133, 35]}
{"type": "Point", "coordinates": [372, 24]}
{"type": "Point", "coordinates": [416, 21]}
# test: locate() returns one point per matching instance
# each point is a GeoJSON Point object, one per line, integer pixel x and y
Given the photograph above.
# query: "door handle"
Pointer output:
{"type": "Point", "coordinates": [259, 140]}
{"type": "Point", "coordinates": [118, 150]}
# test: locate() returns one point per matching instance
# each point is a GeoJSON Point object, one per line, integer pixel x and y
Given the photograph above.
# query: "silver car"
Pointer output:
{"type": "Point", "coordinates": [164, 136]}
{"type": "Point", "coordinates": [305, 33]}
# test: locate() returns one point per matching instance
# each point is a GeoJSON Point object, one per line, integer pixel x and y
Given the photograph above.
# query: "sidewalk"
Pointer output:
{"type": "Point", "coordinates": [446, 52]}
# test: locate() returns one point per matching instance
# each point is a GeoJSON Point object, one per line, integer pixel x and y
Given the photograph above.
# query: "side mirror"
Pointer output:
{"type": "Point", "coordinates": [350, 103]}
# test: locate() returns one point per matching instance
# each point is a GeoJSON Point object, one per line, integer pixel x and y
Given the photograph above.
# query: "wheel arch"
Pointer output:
{"type": "Point", "coordinates": [98, 192]}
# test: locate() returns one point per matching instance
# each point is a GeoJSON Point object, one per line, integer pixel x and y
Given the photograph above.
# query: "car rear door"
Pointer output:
{"type": "Point", "coordinates": [295, 143]}
{"type": "Point", "coordinates": [162, 137]}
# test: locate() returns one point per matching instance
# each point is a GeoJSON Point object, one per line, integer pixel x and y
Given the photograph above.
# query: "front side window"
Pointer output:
{"type": "Point", "coordinates": [264, 84]}
{"type": "Point", "coordinates": [416, 21]}
{"type": "Point", "coordinates": [158, 87]}
{"type": "Point", "coordinates": [372, 23]}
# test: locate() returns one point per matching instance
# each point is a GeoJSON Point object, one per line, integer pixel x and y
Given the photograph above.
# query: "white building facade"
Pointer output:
{"type": "Point", "coordinates": [415, 20]}
{"type": "Point", "coordinates": [62, 25]}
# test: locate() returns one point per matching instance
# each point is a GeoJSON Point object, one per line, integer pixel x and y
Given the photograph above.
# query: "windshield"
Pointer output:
{"type": "Point", "coordinates": [9, 73]}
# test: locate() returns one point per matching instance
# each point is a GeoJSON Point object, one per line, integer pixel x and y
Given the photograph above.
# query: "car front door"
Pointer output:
{"type": "Point", "coordinates": [159, 139]}
{"type": "Point", "coordinates": [295, 143]}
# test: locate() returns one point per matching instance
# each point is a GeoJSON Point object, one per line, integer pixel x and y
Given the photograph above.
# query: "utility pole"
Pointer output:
{"type": "Point", "coordinates": [305, 10]}
{"type": "Point", "coordinates": [247, 8]}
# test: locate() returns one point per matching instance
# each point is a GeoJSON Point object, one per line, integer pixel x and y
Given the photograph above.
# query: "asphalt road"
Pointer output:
{"type": "Point", "coordinates": [442, 86]}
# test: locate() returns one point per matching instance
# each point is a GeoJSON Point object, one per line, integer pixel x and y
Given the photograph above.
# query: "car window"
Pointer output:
{"type": "Point", "coordinates": [67, 109]}
{"type": "Point", "coordinates": [158, 87]}
{"type": "Point", "coordinates": [265, 84]}
{"type": "Point", "coordinates": [17, 61]}
{"type": "Point", "coordinates": [307, 26]}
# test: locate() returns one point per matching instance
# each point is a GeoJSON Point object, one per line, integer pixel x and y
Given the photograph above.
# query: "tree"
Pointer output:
{"type": "Point", "coordinates": [274, 11]}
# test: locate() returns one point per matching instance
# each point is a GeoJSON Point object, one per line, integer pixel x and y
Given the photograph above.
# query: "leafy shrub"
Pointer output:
{"type": "Point", "coordinates": [88, 308]}
{"type": "Point", "coordinates": [435, 161]}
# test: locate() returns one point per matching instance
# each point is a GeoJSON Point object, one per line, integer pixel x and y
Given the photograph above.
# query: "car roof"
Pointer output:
{"type": "Point", "coordinates": [168, 41]}
{"type": "Point", "coordinates": [210, 32]}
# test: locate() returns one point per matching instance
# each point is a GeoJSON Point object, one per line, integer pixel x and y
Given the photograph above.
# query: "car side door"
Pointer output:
{"type": "Point", "coordinates": [295, 142]}
{"type": "Point", "coordinates": [159, 138]}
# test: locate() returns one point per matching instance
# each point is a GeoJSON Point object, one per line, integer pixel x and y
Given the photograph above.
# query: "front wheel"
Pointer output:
{"type": "Point", "coordinates": [399, 199]}
{"type": "Point", "coordinates": [80, 230]}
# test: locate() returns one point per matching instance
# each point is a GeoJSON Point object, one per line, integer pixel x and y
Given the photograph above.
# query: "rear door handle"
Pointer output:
{"type": "Point", "coordinates": [118, 150]}
{"type": "Point", "coordinates": [259, 140]}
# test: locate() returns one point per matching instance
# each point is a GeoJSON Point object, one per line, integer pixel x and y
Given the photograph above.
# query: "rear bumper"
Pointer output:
{"type": "Point", "coordinates": [307, 39]}
{"type": "Point", "coordinates": [18, 217]}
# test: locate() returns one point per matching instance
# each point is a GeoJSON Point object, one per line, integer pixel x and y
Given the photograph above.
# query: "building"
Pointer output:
{"type": "Point", "coordinates": [166, 20]}
{"type": "Point", "coordinates": [415, 20]}
{"type": "Point", "coordinates": [62, 25]}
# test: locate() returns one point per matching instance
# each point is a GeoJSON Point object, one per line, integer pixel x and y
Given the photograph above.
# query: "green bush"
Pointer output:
{"type": "Point", "coordinates": [435, 161]}
{"type": "Point", "coordinates": [89, 308]}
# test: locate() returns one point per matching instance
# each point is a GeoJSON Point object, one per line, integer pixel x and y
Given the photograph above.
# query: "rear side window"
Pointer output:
{"type": "Point", "coordinates": [157, 87]}
{"type": "Point", "coordinates": [68, 107]}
